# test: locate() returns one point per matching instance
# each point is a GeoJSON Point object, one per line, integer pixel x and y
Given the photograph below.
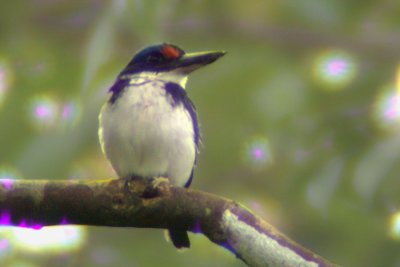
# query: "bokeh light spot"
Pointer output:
{"type": "Point", "coordinates": [49, 239]}
{"type": "Point", "coordinates": [257, 153]}
{"type": "Point", "coordinates": [7, 183]}
{"type": "Point", "coordinates": [70, 113]}
{"type": "Point", "coordinates": [386, 111]}
{"type": "Point", "coordinates": [394, 227]}
{"type": "Point", "coordinates": [4, 244]}
{"type": "Point", "coordinates": [5, 79]}
{"type": "Point", "coordinates": [5, 247]}
{"type": "Point", "coordinates": [334, 69]}
{"type": "Point", "coordinates": [48, 113]}
{"type": "Point", "coordinates": [7, 176]}
{"type": "Point", "coordinates": [44, 111]}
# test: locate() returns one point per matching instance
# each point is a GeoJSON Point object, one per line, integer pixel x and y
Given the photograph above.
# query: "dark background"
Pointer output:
{"type": "Point", "coordinates": [300, 120]}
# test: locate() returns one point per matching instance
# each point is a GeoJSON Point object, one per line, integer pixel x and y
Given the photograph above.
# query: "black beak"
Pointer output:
{"type": "Point", "coordinates": [192, 61]}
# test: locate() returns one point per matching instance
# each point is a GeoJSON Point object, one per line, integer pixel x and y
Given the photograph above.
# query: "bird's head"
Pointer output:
{"type": "Point", "coordinates": [169, 62]}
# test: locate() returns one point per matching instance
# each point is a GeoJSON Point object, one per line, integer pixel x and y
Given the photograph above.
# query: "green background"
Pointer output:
{"type": "Point", "coordinates": [313, 151]}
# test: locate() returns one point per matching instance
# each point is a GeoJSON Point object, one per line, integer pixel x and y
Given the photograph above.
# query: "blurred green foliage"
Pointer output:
{"type": "Point", "coordinates": [300, 120]}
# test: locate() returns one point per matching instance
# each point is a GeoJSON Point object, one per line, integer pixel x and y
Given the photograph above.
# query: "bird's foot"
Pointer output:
{"type": "Point", "coordinates": [127, 182]}
{"type": "Point", "coordinates": [157, 181]}
{"type": "Point", "coordinates": [151, 186]}
{"type": "Point", "coordinates": [155, 187]}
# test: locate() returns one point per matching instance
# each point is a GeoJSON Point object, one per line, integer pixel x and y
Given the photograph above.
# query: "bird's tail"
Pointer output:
{"type": "Point", "coordinates": [179, 238]}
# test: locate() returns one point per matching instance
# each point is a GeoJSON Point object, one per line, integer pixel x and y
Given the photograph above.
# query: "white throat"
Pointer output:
{"type": "Point", "coordinates": [170, 76]}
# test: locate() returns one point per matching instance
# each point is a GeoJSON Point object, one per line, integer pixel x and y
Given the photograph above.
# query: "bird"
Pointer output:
{"type": "Point", "coordinates": [148, 127]}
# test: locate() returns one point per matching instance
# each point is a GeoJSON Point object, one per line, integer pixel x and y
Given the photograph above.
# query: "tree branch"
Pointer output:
{"type": "Point", "coordinates": [36, 203]}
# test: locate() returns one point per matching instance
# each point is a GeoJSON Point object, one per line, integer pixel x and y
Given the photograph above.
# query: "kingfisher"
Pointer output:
{"type": "Point", "coordinates": [148, 127]}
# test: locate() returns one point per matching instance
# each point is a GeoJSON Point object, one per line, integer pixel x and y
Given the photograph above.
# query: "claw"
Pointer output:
{"type": "Point", "coordinates": [157, 181]}
{"type": "Point", "coordinates": [127, 182]}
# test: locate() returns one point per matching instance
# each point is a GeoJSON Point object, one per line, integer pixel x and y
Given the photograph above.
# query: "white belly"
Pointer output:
{"type": "Point", "coordinates": [143, 134]}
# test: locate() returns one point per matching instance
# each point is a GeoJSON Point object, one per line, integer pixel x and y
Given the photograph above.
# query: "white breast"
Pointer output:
{"type": "Point", "coordinates": [143, 134]}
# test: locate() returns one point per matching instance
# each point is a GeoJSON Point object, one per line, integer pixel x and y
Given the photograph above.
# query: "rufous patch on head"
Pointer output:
{"type": "Point", "coordinates": [170, 52]}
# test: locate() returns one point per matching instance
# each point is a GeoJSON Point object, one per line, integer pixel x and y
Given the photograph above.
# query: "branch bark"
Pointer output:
{"type": "Point", "coordinates": [113, 202]}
